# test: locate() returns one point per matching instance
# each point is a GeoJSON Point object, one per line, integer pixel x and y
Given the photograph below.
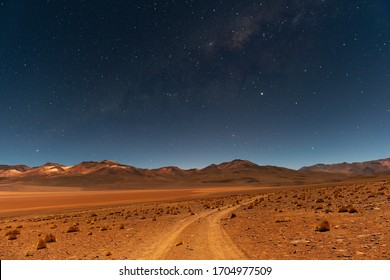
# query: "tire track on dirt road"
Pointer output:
{"type": "Point", "coordinates": [206, 233]}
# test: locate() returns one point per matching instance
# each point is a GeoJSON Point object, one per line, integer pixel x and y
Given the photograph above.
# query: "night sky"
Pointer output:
{"type": "Point", "coordinates": [189, 83]}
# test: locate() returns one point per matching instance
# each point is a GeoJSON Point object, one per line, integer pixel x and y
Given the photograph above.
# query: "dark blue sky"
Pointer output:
{"type": "Point", "coordinates": [189, 83]}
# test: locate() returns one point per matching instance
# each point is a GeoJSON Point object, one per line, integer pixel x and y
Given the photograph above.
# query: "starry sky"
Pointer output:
{"type": "Point", "coordinates": [190, 83]}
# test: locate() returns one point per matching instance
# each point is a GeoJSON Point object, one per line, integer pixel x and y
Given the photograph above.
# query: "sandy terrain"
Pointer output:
{"type": "Point", "coordinates": [37, 201]}
{"type": "Point", "coordinates": [250, 224]}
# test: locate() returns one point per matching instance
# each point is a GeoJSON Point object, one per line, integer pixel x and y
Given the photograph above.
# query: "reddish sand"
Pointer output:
{"type": "Point", "coordinates": [282, 223]}
{"type": "Point", "coordinates": [29, 202]}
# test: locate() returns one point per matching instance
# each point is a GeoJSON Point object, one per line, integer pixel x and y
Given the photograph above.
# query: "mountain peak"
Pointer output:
{"type": "Point", "coordinates": [109, 162]}
{"type": "Point", "coordinates": [52, 164]}
{"type": "Point", "coordinates": [234, 164]}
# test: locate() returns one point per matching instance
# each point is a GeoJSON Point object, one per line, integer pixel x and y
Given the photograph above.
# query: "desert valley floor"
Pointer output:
{"type": "Point", "coordinates": [335, 221]}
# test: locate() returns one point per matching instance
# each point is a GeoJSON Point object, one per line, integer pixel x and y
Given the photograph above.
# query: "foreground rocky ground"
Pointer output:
{"type": "Point", "coordinates": [287, 224]}
{"type": "Point", "coordinates": [329, 222]}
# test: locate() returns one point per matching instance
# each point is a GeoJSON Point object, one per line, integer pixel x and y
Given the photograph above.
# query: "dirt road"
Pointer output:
{"type": "Point", "coordinates": [200, 236]}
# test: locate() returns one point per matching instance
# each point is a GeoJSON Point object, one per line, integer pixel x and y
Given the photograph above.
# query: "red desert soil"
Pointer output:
{"type": "Point", "coordinates": [183, 224]}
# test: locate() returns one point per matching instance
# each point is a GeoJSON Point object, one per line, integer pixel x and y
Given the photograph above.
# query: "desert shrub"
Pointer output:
{"type": "Point", "coordinates": [282, 220]}
{"type": "Point", "coordinates": [12, 236]}
{"type": "Point", "coordinates": [343, 209]}
{"type": "Point", "coordinates": [29, 254]}
{"type": "Point", "coordinates": [53, 226]}
{"type": "Point", "coordinates": [49, 238]}
{"type": "Point", "coordinates": [104, 228]}
{"type": "Point", "coordinates": [122, 226]}
{"type": "Point", "coordinates": [348, 208]}
{"type": "Point", "coordinates": [14, 231]}
{"type": "Point", "coordinates": [233, 215]}
{"type": "Point", "coordinates": [352, 209]}
{"type": "Point", "coordinates": [73, 228]}
{"type": "Point", "coordinates": [323, 226]}
{"type": "Point", "coordinates": [41, 244]}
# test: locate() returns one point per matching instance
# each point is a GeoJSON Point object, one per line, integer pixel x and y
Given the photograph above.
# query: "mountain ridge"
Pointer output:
{"type": "Point", "coordinates": [111, 174]}
{"type": "Point", "coordinates": [364, 168]}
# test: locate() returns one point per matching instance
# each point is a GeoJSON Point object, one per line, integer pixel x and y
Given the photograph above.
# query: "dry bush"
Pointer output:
{"type": "Point", "coordinates": [343, 209]}
{"type": "Point", "coordinates": [12, 236]}
{"type": "Point", "coordinates": [121, 226]}
{"type": "Point", "coordinates": [352, 209]}
{"type": "Point", "coordinates": [104, 228]}
{"type": "Point", "coordinates": [233, 215]}
{"type": "Point", "coordinates": [49, 238]}
{"type": "Point", "coordinates": [283, 220]}
{"type": "Point", "coordinates": [348, 208]}
{"type": "Point", "coordinates": [53, 226]}
{"type": "Point", "coordinates": [41, 244]}
{"type": "Point", "coordinates": [323, 226]}
{"type": "Point", "coordinates": [73, 228]}
{"type": "Point", "coordinates": [29, 254]}
{"type": "Point", "coordinates": [12, 232]}
{"type": "Point", "coordinates": [19, 226]}
{"type": "Point", "coordinates": [109, 253]}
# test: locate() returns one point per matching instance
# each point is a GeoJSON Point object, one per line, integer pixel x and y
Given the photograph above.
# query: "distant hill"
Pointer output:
{"type": "Point", "coordinates": [381, 166]}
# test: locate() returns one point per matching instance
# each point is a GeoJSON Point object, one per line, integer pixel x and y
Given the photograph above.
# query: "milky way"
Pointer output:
{"type": "Point", "coordinates": [189, 83]}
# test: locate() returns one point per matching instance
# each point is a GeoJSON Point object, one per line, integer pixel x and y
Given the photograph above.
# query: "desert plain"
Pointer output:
{"type": "Point", "coordinates": [348, 218]}
{"type": "Point", "coordinates": [214, 223]}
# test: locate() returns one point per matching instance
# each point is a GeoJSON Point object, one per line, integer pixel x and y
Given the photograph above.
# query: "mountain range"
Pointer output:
{"type": "Point", "coordinates": [366, 168]}
{"type": "Point", "coordinates": [237, 172]}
